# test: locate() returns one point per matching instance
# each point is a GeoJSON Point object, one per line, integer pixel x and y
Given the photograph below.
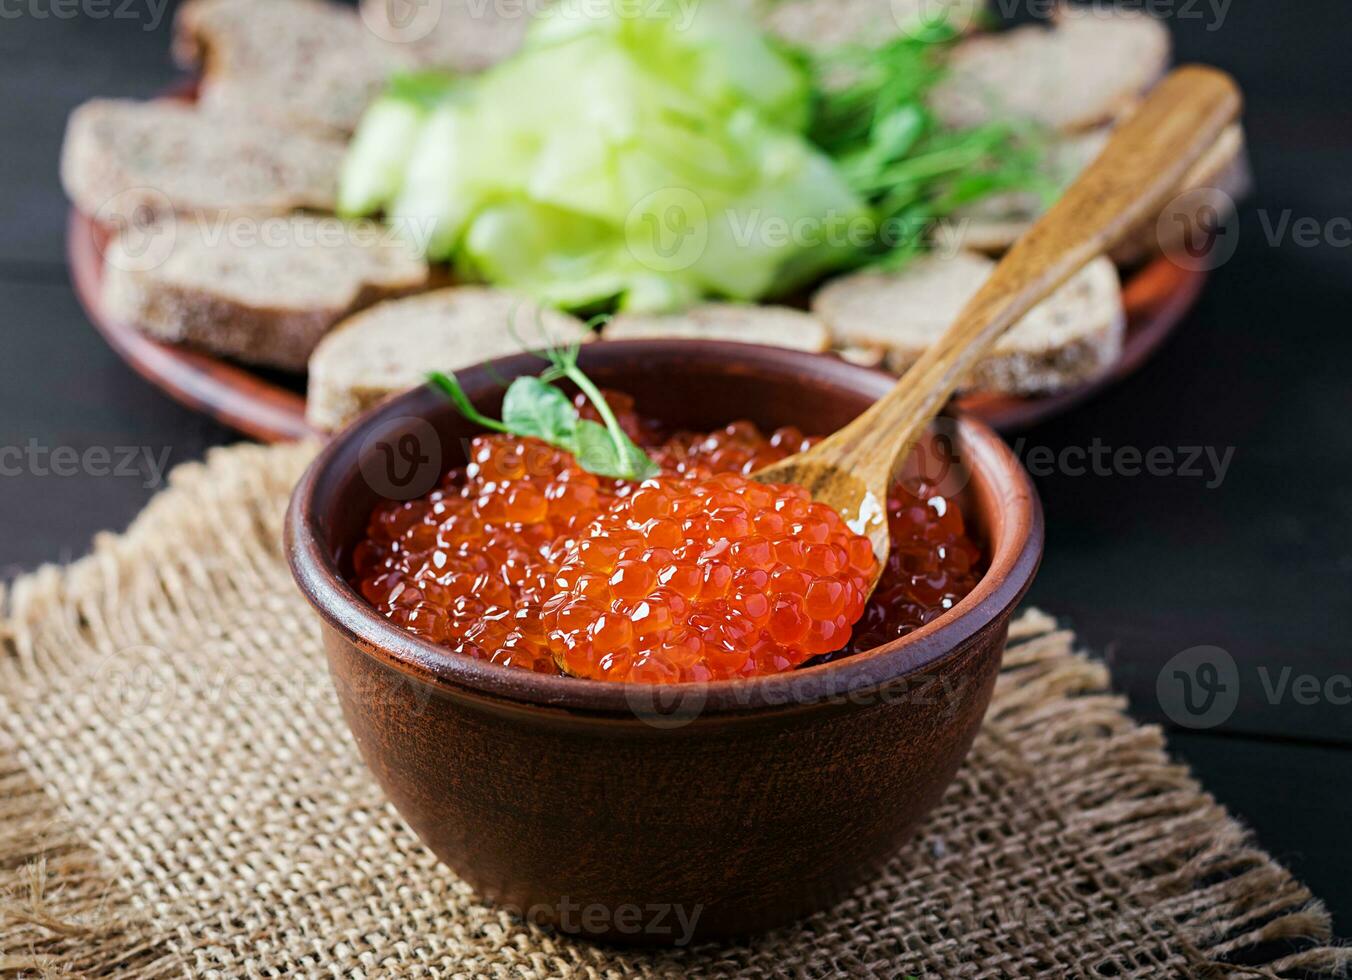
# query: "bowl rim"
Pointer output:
{"type": "Point", "coordinates": [1014, 562]}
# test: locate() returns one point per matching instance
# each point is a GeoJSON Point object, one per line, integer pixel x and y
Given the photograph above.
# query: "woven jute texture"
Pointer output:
{"type": "Point", "coordinates": [179, 795]}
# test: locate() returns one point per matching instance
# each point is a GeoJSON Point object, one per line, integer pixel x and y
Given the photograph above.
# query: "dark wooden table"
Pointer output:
{"type": "Point", "coordinates": [1258, 563]}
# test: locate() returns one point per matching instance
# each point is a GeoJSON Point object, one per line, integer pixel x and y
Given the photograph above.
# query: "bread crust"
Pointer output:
{"type": "Point", "coordinates": [774, 326]}
{"type": "Point", "coordinates": [1083, 71]}
{"type": "Point", "coordinates": [216, 298]}
{"type": "Point", "coordinates": [464, 37]}
{"type": "Point", "coordinates": [308, 64]}
{"type": "Point", "coordinates": [123, 161]}
{"type": "Point", "coordinates": [1224, 170]}
{"type": "Point", "coordinates": [827, 24]}
{"type": "Point", "coordinates": [390, 347]}
{"type": "Point", "coordinates": [1072, 337]}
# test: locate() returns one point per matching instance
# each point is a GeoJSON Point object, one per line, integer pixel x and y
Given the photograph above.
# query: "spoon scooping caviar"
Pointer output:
{"type": "Point", "coordinates": [1143, 164]}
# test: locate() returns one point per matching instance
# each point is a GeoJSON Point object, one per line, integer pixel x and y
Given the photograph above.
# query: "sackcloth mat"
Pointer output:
{"type": "Point", "coordinates": [224, 825]}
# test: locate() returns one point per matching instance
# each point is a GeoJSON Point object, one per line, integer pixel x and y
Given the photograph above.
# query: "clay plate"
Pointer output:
{"type": "Point", "coordinates": [743, 804]}
{"type": "Point", "coordinates": [269, 406]}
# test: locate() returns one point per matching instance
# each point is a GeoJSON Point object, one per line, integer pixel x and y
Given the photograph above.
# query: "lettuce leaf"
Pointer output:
{"type": "Point", "coordinates": [640, 156]}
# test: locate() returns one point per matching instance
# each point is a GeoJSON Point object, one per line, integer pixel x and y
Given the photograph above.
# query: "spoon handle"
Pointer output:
{"type": "Point", "coordinates": [1142, 166]}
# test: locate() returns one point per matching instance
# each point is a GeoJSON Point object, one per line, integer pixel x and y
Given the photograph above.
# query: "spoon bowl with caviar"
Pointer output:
{"type": "Point", "coordinates": [1140, 168]}
{"type": "Point", "coordinates": [698, 629]}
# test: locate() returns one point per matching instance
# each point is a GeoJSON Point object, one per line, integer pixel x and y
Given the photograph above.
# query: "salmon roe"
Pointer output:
{"type": "Point", "coordinates": [524, 559]}
{"type": "Point", "coordinates": [707, 579]}
{"type": "Point", "coordinates": [932, 566]}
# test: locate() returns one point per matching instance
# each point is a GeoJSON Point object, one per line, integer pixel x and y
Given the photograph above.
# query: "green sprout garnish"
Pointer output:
{"type": "Point", "coordinates": [873, 118]}
{"type": "Point", "coordinates": [535, 407]}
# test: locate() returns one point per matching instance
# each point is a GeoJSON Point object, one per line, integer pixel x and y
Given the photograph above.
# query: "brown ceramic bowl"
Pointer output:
{"type": "Point", "coordinates": [660, 815]}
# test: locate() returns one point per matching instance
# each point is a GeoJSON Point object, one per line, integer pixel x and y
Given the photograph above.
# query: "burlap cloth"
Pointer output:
{"type": "Point", "coordinates": [179, 795]}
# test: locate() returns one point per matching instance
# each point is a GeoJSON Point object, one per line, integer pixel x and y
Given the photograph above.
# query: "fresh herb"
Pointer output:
{"type": "Point", "coordinates": [424, 89]}
{"type": "Point", "coordinates": [873, 119]}
{"type": "Point", "coordinates": [536, 408]}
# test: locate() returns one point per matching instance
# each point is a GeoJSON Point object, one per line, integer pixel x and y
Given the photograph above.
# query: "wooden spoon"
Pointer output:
{"type": "Point", "coordinates": [1142, 166]}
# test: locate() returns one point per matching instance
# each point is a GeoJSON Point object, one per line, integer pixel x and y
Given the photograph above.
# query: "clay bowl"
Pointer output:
{"type": "Point", "coordinates": [660, 815]}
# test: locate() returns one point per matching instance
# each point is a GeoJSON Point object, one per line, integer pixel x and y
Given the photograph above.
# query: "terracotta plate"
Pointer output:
{"type": "Point", "coordinates": [269, 406]}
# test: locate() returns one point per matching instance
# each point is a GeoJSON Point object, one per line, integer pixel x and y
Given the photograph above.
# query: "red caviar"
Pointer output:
{"type": "Point", "coordinates": [933, 564]}
{"type": "Point", "coordinates": [706, 579]}
{"type": "Point", "coordinates": [524, 559]}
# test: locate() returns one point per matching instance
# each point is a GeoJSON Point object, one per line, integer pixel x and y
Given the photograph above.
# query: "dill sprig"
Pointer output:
{"type": "Point", "coordinates": [872, 117]}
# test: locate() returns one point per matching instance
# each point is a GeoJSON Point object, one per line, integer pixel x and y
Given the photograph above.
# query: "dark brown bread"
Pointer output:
{"type": "Point", "coordinates": [461, 35]}
{"type": "Point", "coordinates": [391, 347]}
{"type": "Point", "coordinates": [1068, 339]}
{"type": "Point", "coordinates": [1085, 70]}
{"type": "Point", "coordinates": [774, 326]}
{"type": "Point", "coordinates": [260, 289]}
{"type": "Point", "coordinates": [1218, 180]}
{"type": "Point", "coordinates": [123, 160]}
{"type": "Point", "coordinates": [306, 64]}
{"type": "Point", "coordinates": [827, 24]}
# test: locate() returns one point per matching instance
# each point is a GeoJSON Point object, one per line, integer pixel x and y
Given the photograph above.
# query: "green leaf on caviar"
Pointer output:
{"type": "Point", "coordinates": [533, 408]}
{"type": "Point", "coordinates": [640, 463]}
{"type": "Point", "coordinates": [449, 385]}
{"type": "Point", "coordinates": [597, 452]}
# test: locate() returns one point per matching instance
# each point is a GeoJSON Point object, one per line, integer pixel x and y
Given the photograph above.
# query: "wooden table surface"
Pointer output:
{"type": "Point", "coordinates": [1251, 553]}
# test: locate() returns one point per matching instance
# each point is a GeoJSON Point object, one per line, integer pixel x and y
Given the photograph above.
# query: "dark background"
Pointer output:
{"type": "Point", "coordinates": [1143, 567]}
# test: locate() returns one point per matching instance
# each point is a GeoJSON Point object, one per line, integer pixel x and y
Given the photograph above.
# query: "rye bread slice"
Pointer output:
{"type": "Point", "coordinates": [1069, 339]}
{"type": "Point", "coordinates": [298, 63]}
{"type": "Point", "coordinates": [461, 35]}
{"type": "Point", "coordinates": [1081, 72]}
{"type": "Point", "coordinates": [124, 160]}
{"type": "Point", "coordinates": [994, 223]}
{"type": "Point", "coordinates": [826, 24]}
{"type": "Point", "coordinates": [772, 326]}
{"type": "Point", "coordinates": [391, 347]}
{"type": "Point", "coordinates": [469, 36]}
{"type": "Point", "coordinates": [259, 289]}
{"type": "Point", "coordinates": [1216, 184]}
{"type": "Point", "coordinates": [997, 222]}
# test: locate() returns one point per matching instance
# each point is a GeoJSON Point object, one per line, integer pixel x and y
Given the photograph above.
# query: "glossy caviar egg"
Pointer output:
{"type": "Point", "coordinates": [526, 560]}
{"type": "Point", "coordinates": [685, 573]}
{"type": "Point", "coordinates": [932, 565]}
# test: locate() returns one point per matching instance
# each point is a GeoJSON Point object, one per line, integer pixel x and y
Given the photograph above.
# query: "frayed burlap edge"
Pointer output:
{"type": "Point", "coordinates": [1161, 841]}
{"type": "Point", "coordinates": [59, 914]}
{"type": "Point", "coordinates": [1152, 838]}
{"type": "Point", "coordinates": [62, 911]}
